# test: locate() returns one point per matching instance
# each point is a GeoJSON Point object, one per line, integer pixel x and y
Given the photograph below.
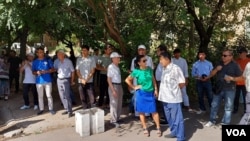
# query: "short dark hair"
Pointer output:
{"type": "Point", "coordinates": [40, 48]}
{"type": "Point", "coordinates": [201, 51]}
{"type": "Point", "coordinates": [162, 48]}
{"type": "Point", "coordinates": [177, 50]}
{"type": "Point", "coordinates": [13, 51]}
{"type": "Point", "coordinates": [109, 46]}
{"type": "Point", "coordinates": [166, 55]}
{"type": "Point", "coordinates": [85, 47]}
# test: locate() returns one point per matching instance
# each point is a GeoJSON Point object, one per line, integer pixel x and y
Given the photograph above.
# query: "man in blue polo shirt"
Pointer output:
{"type": "Point", "coordinates": [42, 67]}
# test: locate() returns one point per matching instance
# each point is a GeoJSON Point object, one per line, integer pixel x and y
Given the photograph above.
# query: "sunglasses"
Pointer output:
{"type": "Point", "coordinates": [224, 55]}
{"type": "Point", "coordinates": [144, 60]}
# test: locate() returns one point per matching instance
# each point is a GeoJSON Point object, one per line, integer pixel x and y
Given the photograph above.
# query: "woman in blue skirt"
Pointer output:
{"type": "Point", "coordinates": [146, 92]}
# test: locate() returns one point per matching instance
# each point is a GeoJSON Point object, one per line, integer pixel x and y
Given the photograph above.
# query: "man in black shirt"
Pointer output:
{"type": "Point", "coordinates": [14, 64]}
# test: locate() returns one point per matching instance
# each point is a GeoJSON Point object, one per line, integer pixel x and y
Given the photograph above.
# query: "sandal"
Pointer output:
{"type": "Point", "coordinates": [146, 132]}
{"type": "Point", "coordinates": [159, 133]}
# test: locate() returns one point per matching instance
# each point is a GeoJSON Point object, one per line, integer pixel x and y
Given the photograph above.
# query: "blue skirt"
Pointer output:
{"type": "Point", "coordinates": [145, 102]}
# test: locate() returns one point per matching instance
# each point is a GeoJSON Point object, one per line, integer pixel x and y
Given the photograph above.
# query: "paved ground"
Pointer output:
{"type": "Point", "coordinates": [60, 127]}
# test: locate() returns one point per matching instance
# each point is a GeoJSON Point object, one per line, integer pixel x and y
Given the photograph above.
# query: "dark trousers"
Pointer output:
{"type": "Point", "coordinates": [86, 93]}
{"type": "Point", "coordinates": [72, 95]}
{"type": "Point", "coordinates": [26, 89]}
{"type": "Point", "coordinates": [14, 76]}
{"type": "Point", "coordinates": [240, 89]}
{"type": "Point", "coordinates": [103, 90]}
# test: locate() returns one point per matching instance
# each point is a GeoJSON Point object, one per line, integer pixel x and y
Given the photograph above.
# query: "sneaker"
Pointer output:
{"type": "Point", "coordinates": [24, 107]}
{"type": "Point", "coordinates": [52, 112]}
{"type": "Point", "coordinates": [6, 98]}
{"type": "Point", "coordinates": [117, 125]}
{"type": "Point", "coordinates": [200, 112]}
{"type": "Point", "coordinates": [209, 124]}
{"type": "Point", "coordinates": [35, 107]}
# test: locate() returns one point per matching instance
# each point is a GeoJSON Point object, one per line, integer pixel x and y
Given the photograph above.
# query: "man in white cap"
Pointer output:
{"type": "Point", "coordinates": [29, 82]}
{"type": "Point", "coordinates": [115, 88]}
{"type": "Point", "coordinates": [141, 50]}
{"type": "Point", "coordinates": [65, 78]}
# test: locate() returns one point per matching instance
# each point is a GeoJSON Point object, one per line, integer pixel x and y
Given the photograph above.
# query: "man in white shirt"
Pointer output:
{"type": "Point", "coordinates": [158, 74]}
{"type": "Point", "coordinates": [115, 89]}
{"type": "Point", "coordinates": [85, 69]}
{"type": "Point", "coordinates": [182, 63]}
{"type": "Point", "coordinates": [140, 51]}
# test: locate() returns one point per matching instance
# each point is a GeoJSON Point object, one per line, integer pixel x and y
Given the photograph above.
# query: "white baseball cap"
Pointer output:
{"type": "Point", "coordinates": [115, 54]}
{"type": "Point", "coordinates": [141, 47]}
{"type": "Point", "coordinates": [31, 54]}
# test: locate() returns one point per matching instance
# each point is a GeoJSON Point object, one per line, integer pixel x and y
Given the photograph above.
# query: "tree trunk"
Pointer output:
{"type": "Point", "coordinates": [23, 41]}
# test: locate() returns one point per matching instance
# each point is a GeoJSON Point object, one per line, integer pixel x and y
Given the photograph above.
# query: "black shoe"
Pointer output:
{"type": "Point", "coordinates": [40, 112]}
{"type": "Point", "coordinates": [169, 136]}
{"type": "Point", "coordinates": [74, 103]}
{"type": "Point", "coordinates": [52, 112]}
{"type": "Point", "coordinates": [235, 111]}
{"type": "Point", "coordinates": [71, 114]}
{"type": "Point", "coordinates": [64, 113]}
{"type": "Point", "coordinates": [120, 121]}
{"type": "Point", "coordinates": [163, 123]}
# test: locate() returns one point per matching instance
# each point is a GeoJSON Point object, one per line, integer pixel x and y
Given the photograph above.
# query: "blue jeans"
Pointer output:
{"type": "Point", "coordinates": [228, 96]}
{"type": "Point", "coordinates": [204, 87]}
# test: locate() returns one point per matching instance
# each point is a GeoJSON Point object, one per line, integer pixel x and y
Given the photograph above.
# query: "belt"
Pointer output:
{"type": "Point", "coordinates": [116, 83]}
{"type": "Point", "coordinates": [64, 78]}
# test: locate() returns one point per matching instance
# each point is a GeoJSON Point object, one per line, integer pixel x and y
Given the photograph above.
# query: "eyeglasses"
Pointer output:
{"type": "Point", "coordinates": [224, 55]}
{"type": "Point", "coordinates": [144, 60]}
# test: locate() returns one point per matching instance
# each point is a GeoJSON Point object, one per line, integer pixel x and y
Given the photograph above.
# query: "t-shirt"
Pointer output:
{"type": "Point", "coordinates": [42, 65]}
{"type": "Point", "coordinates": [15, 63]}
{"type": "Point", "coordinates": [144, 78]}
{"type": "Point", "coordinates": [231, 69]}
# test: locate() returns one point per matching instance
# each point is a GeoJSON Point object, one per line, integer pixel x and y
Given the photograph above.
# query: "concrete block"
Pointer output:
{"type": "Point", "coordinates": [13, 133]}
{"type": "Point", "coordinates": [89, 121]}
{"type": "Point", "coordinates": [96, 120]}
{"type": "Point", "coordinates": [82, 118]}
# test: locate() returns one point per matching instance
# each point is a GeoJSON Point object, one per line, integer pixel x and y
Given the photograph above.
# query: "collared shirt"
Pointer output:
{"type": "Point", "coordinates": [170, 91]}
{"type": "Point", "coordinates": [202, 67]}
{"type": "Point", "coordinates": [85, 66]}
{"type": "Point", "coordinates": [43, 65]}
{"type": "Point", "coordinates": [246, 75]}
{"type": "Point", "coordinates": [105, 61]}
{"type": "Point", "coordinates": [114, 73]}
{"type": "Point", "coordinates": [64, 68]}
{"type": "Point", "coordinates": [158, 72]}
{"type": "Point", "coordinates": [182, 63]}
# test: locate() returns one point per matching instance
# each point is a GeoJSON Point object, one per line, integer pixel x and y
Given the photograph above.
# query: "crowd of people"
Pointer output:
{"type": "Point", "coordinates": [158, 91]}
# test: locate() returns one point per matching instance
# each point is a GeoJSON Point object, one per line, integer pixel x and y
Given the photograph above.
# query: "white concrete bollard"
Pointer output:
{"type": "Point", "coordinates": [96, 121]}
{"type": "Point", "coordinates": [89, 121]}
{"type": "Point", "coordinates": [82, 118]}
